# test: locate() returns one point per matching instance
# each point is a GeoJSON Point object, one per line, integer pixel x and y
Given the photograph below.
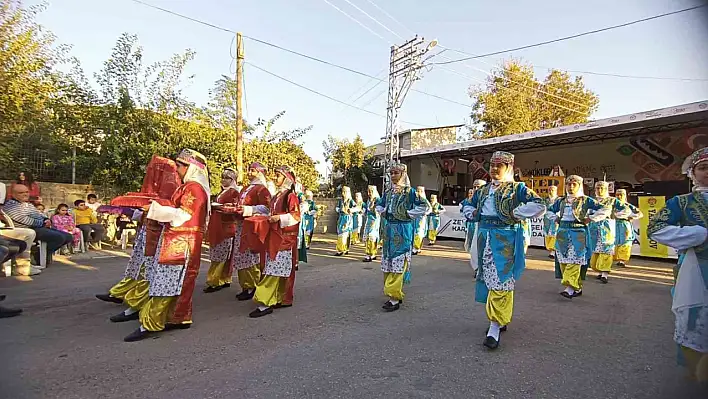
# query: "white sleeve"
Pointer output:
{"type": "Point", "coordinates": [681, 238]}
{"type": "Point", "coordinates": [380, 209]}
{"type": "Point", "coordinates": [529, 210]}
{"type": "Point", "coordinates": [168, 214]}
{"type": "Point", "coordinates": [287, 220]}
{"type": "Point", "coordinates": [137, 214]}
{"type": "Point", "coordinates": [552, 216]}
{"type": "Point", "coordinates": [599, 215]}
{"type": "Point", "coordinates": [419, 211]}
{"type": "Point", "coordinates": [623, 214]}
{"type": "Point", "coordinates": [468, 212]}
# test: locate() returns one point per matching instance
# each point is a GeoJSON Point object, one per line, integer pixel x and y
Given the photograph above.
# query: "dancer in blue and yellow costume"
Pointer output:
{"type": "Point", "coordinates": [602, 233]}
{"type": "Point", "coordinates": [624, 231]}
{"type": "Point", "coordinates": [309, 218]}
{"type": "Point", "coordinates": [571, 215]}
{"type": "Point", "coordinates": [372, 225]}
{"type": "Point", "coordinates": [345, 208]}
{"type": "Point", "coordinates": [434, 219]}
{"type": "Point", "coordinates": [420, 224]}
{"type": "Point", "coordinates": [357, 218]}
{"type": "Point", "coordinates": [400, 206]}
{"type": "Point", "coordinates": [682, 224]}
{"type": "Point", "coordinates": [550, 227]}
{"type": "Point", "coordinates": [499, 208]}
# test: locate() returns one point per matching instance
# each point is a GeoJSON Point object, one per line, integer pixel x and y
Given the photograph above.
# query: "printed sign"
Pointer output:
{"type": "Point", "coordinates": [648, 247]}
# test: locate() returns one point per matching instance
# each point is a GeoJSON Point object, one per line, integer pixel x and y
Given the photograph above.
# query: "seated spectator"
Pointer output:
{"type": "Point", "coordinates": [123, 222]}
{"type": "Point", "coordinates": [21, 266]}
{"type": "Point", "coordinates": [87, 221]}
{"type": "Point", "coordinates": [9, 248]}
{"type": "Point", "coordinates": [24, 214]}
{"type": "Point", "coordinates": [41, 209]}
{"type": "Point", "coordinates": [26, 179]}
{"type": "Point", "coordinates": [93, 202]}
{"type": "Point", "coordinates": [63, 221]}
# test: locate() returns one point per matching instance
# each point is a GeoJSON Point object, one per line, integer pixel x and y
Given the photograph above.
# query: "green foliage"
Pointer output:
{"type": "Point", "coordinates": [513, 101]}
{"type": "Point", "coordinates": [138, 110]}
{"type": "Point", "coordinates": [352, 161]}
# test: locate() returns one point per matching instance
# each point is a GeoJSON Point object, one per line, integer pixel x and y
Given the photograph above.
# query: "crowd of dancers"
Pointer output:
{"type": "Point", "coordinates": [263, 234]}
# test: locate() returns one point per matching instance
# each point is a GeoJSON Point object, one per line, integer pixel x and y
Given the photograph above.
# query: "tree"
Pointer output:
{"type": "Point", "coordinates": [351, 160]}
{"type": "Point", "coordinates": [513, 101]}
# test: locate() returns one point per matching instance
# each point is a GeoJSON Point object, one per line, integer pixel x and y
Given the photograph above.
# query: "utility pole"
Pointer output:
{"type": "Point", "coordinates": [239, 109]}
{"type": "Point", "coordinates": [404, 69]}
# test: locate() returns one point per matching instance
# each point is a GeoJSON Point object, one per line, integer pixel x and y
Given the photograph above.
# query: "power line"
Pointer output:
{"type": "Point", "coordinates": [352, 18]}
{"type": "Point", "coordinates": [373, 19]}
{"type": "Point", "coordinates": [324, 95]}
{"type": "Point", "coordinates": [616, 75]}
{"type": "Point", "coordinates": [575, 36]}
{"type": "Point", "coordinates": [287, 50]}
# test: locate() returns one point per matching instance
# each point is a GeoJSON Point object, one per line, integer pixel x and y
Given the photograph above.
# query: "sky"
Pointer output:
{"type": "Point", "coordinates": [672, 46]}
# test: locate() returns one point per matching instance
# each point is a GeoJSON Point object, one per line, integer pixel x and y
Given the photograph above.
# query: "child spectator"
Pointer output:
{"type": "Point", "coordinates": [63, 221]}
{"type": "Point", "coordinates": [41, 209]}
{"type": "Point", "coordinates": [92, 202]}
{"type": "Point", "coordinates": [87, 222]}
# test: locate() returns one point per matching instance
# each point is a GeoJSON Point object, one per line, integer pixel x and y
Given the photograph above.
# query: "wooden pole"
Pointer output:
{"type": "Point", "coordinates": [239, 108]}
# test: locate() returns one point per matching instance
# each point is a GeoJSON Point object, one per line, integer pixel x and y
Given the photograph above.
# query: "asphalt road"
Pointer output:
{"type": "Point", "coordinates": [336, 342]}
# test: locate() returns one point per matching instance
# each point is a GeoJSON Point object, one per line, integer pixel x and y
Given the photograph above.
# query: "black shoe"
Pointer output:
{"type": "Point", "coordinates": [245, 295]}
{"type": "Point", "coordinates": [416, 252]}
{"type": "Point", "coordinates": [491, 343]}
{"type": "Point", "coordinates": [169, 327]}
{"type": "Point", "coordinates": [578, 293]}
{"type": "Point", "coordinates": [227, 285]}
{"type": "Point", "coordinates": [389, 307]}
{"type": "Point", "coordinates": [209, 289]}
{"type": "Point", "coordinates": [281, 305]}
{"type": "Point", "coordinates": [346, 252]}
{"type": "Point", "coordinates": [551, 256]}
{"type": "Point", "coordinates": [502, 328]}
{"type": "Point", "coordinates": [565, 294]}
{"type": "Point", "coordinates": [108, 298]}
{"type": "Point", "coordinates": [9, 312]}
{"type": "Point", "coordinates": [138, 335]}
{"type": "Point", "coordinates": [339, 254]}
{"type": "Point", "coordinates": [2, 297]}
{"type": "Point", "coordinates": [603, 279]}
{"type": "Point", "coordinates": [260, 313]}
{"type": "Point", "coordinates": [430, 244]}
{"type": "Point", "coordinates": [599, 276]}
{"type": "Point", "coordinates": [367, 260]}
{"type": "Point", "coordinates": [621, 264]}
{"type": "Point", "coordinates": [121, 317]}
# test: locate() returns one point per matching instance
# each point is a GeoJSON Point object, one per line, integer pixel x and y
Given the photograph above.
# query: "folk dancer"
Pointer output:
{"type": "Point", "coordinates": [254, 201]}
{"type": "Point", "coordinates": [498, 208]}
{"type": "Point", "coordinates": [602, 233]}
{"type": "Point", "coordinates": [357, 218]}
{"type": "Point", "coordinates": [624, 231]}
{"type": "Point", "coordinates": [571, 215]}
{"type": "Point", "coordinates": [304, 209]}
{"type": "Point", "coordinates": [420, 223]}
{"type": "Point", "coordinates": [161, 178]}
{"type": "Point", "coordinates": [221, 232]}
{"type": "Point", "coordinates": [471, 237]}
{"type": "Point", "coordinates": [173, 274]}
{"type": "Point", "coordinates": [400, 206]}
{"type": "Point", "coordinates": [433, 222]}
{"type": "Point", "coordinates": [372, 225]}
{"type": "Point", "coordinates": [682, 224]}
{"type": "Point", "coordinates": [345, 208]}
{"type": "Point", "coordinates": [550, 227]}
{"type": "Point", "coordinates": [309, 220]}
{"type": "Point", "coordinates": [281, 258]}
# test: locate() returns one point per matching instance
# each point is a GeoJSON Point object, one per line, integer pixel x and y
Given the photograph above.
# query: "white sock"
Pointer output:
{"type": "Point", "coordinates": [143, 329]}
{"type": "Point", "coordinates": [393, 301]}
{"type": "Point", "coordinates": [605, 274]}
{"type": "Point", "coordinates": [262, 308]}
{"type": "Point", "coordinates": [493, 330]}
{"type": "Point", "coordinates": [570, 290]}
{"type": "Point", "coordinates": [129, 311]}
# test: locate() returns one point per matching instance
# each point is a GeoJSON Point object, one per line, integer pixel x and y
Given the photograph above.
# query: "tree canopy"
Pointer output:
{"type": "Point", "coordinates": [351, 161]}
{"type": "Point", "coordinates": [513, 101]}
{"type": "Point", "coordinates": [131, 110]}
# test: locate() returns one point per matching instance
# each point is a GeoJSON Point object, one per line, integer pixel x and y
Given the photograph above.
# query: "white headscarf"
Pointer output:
{"type": "Point", "coordinates": [346, 193]}
{"type": "Point", "coordinates": [404, 181]}
{"type": "Point", "coordinates": [358, 199]}
{"type": "Point", "coordinates": [309, 195]}
{"type": "Point", "coordinates": [578, 180]}
{"type": "Point", "coordinates": [271, 187]}
{"type": "Point", "coordinates": [690, 164]}
{"type": "Point", "coordinates": [260, 178]}
{"type": "Point", "coordinates": [506, 158]}
{"type": "Point", "coordinates": [421, 191]}
{"type": "Point", "coordinates": [231, 174]}
{"type": "Point", "coordinates": [605, 185]}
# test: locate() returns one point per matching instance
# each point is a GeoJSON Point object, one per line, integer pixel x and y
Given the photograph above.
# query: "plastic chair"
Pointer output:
{"type": "Point", "coordinates": [42, 253]}
{"type": "Point", "coordinates": [125, 237]}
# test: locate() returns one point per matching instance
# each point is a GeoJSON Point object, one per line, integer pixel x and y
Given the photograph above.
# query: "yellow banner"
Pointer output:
{"type": "Point", "coordinates": [540, 184]}
{"type": "Point", "coordinates": [649, 207]}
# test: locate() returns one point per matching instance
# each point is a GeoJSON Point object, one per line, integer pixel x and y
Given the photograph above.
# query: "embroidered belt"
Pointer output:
{"type": "Point", "coordinates": [494, 222]}
{"type": "Point", "coordinates": [571, 225]}
{"type": "Point", "coordinates": [191, 229]}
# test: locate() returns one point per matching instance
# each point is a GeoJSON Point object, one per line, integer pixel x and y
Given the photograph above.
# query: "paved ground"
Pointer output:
{"type": "Point", "coordinates": [614, 342]}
